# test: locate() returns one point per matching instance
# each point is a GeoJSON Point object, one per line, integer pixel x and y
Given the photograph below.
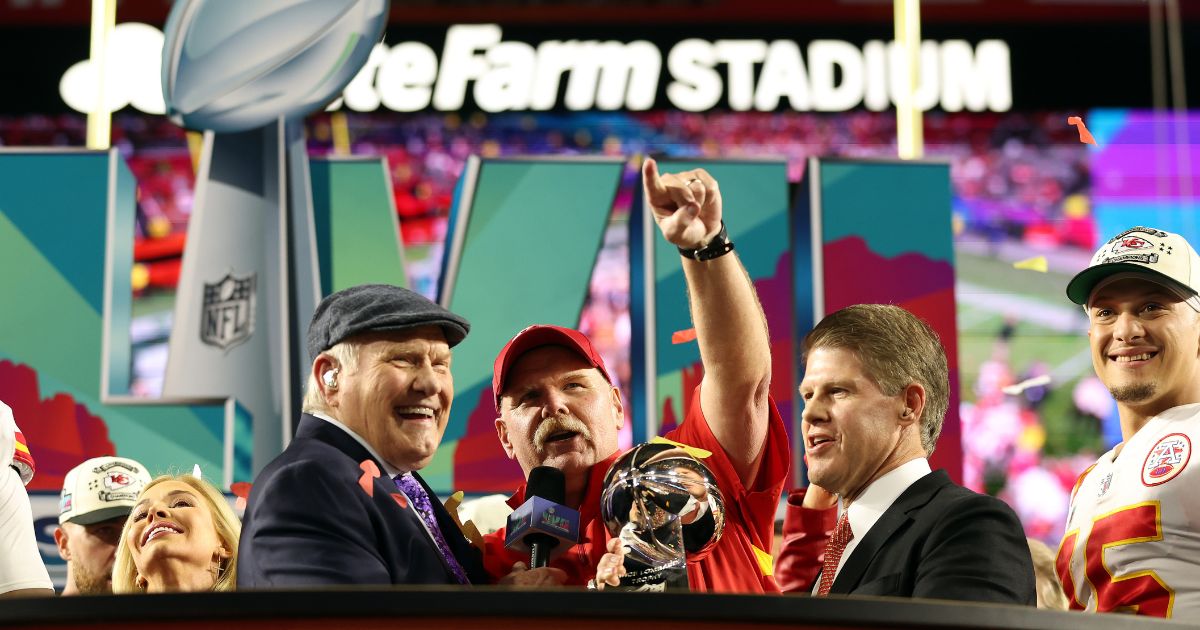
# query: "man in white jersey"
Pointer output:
{"type": "Point", "coordinates": [1132, 542]}
{"type": "Point", "coordinates": [22, 573]}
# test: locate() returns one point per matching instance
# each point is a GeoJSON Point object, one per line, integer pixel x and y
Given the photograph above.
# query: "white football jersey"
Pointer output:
{"type": "Point", "coordinates": [1133, 533]}
{"type": "Point", "coordinates": [20, 563]}
{"type": "Point", "coordinates": [8, 436]}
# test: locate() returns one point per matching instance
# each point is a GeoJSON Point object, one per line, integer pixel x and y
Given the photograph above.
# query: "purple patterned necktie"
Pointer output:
{"type": "Point", "coordinates": [420, 500]}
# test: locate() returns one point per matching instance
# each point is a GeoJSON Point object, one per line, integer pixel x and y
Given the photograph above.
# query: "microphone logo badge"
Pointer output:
{"type": "Point", "coordinates": [542, 526]}
{"type": "Point", "coordinates": [550, 519]}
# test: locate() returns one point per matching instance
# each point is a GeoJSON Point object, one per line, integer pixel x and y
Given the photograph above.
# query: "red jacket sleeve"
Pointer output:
{"type": "Point", "coordinates": [805, 533]}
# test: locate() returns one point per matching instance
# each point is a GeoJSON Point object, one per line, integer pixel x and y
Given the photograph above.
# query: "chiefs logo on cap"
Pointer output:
{"type": "Point", "coordinates": [114, 480]}
{"type": "Point", "coordinates": [1130, 243]}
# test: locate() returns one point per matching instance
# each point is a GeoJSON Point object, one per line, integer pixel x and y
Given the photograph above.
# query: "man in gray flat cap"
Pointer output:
{"type": "Point", "coordinates": [343, 503]}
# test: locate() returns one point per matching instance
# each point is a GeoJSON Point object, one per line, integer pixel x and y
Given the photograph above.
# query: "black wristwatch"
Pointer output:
{"type": "Point", "coordinates": [719, 246]}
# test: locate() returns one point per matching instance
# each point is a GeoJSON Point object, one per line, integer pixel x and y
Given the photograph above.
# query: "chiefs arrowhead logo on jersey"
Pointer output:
{"type": "Point", "coordinates": [1166, 459]}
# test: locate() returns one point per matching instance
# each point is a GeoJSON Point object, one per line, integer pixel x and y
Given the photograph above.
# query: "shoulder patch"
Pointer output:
{"type": "Point", "coordinates": [1166, 459]}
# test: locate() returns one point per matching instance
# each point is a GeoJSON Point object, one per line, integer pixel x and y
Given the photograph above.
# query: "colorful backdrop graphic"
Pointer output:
{"type": "Point", "coordinates": [358, 233]}
{"type": "Point", "coordinates": [886, 234]}
{"type": "Point", "coordinates": [66, 221]}
{"type": "Point", "coordinates": [521, 248]}
{"type": "Point", "coordinates": [1146, 169]}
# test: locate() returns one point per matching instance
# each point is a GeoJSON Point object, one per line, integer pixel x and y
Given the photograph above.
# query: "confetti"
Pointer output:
{"type": "Point", "coordinates": [683, 336]}
{"type": "Point", "coordinates": [1037, 263]}
{"type": "Point", "coordinates": [453, 501]}
{"type": "Point", "coordinates": [241, 490]}
{"type": "Point", "coordinates": [468, 529]}
{"type": "Point", "coordinates": [1085, 136]}
{"type": "Point", "coordinates": [196, 471]}
{"type": "Point", "coordinates": [367, 480]}
{"type": "Point", "coordinates": [400, 499]}
{"type": "Point", "coordinates": [452, 504]}
{"type": "Point", "coordinates": [472, 533]}
{"type": "Point", "coordinates": [1037, 381]}
{"type": "Point", "coordinates": [698, 453]}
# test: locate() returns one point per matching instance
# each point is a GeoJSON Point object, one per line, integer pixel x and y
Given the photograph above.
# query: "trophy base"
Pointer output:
{"type": "Point", "coordinates": [642, 577]}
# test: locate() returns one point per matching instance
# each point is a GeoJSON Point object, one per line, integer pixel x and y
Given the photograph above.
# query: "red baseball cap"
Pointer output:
{"type": "Point", "coordinates": [535, 337]}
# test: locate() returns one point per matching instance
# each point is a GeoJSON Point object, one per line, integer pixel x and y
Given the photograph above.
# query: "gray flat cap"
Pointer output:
{"type": "Point", "coordinates": [375, 308]}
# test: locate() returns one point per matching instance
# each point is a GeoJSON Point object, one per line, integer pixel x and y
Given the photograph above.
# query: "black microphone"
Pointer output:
{"type": "Point", "coordinates": [543, 522]}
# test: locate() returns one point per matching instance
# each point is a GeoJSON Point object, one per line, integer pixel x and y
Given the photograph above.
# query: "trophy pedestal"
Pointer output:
{"type": "Point", "coordinates": [667, 570]}
{"type": "Point", "coordinates": [643, 577]}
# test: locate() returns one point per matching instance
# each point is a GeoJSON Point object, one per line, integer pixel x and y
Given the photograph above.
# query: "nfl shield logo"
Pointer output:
{"type": "Point", "coordinates": [228, 311]}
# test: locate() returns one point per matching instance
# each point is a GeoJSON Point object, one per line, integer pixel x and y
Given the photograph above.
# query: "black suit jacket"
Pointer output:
{"type": "Point", "coordinates": [939, 540]}
{"type": "Point", "coordinates": [308, 522]}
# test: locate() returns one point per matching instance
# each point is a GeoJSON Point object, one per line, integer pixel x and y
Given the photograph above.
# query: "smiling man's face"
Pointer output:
{"type": "Point", "coordinates": [1145, 344]}
{"type": "Point", "coordinates": [398, 395]}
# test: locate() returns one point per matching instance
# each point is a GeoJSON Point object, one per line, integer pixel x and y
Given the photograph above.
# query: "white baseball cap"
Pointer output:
{"type": "Point", "coordinates": [101, 488]}
{"type": "Point", "coordinates": [1160, 257]}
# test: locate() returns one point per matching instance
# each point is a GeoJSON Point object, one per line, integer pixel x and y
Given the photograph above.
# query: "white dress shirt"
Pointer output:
{"type": "Point", "coordinates": [865, 511]}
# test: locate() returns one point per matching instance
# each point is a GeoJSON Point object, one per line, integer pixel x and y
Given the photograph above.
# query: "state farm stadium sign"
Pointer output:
{"type": "Point", "coordinates": [478, 68]}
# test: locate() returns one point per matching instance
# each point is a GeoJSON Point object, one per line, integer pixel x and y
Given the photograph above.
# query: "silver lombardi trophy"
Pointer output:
{"type": "Point", "coordinates": [663, 504]}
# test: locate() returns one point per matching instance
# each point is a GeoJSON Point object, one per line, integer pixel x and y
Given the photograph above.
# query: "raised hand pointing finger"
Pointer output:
{"type": "Point", "coordinates": [686, 206]}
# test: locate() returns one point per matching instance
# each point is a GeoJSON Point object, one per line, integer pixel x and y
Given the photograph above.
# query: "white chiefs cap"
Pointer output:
{"type": "Point", "coordinates": [101, 488]}
{"type": "Point", "coordinates": [1158, 256]}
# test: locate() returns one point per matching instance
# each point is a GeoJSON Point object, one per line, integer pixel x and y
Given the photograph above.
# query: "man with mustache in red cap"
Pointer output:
{"type": "Point", "coordinates": [558, 407]}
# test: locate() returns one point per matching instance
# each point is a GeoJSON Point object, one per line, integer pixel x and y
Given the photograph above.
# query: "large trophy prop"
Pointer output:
{"type": "Point", "coordinates": [247, 73]}
{"type": "Point", "coordinates": [663, 504]}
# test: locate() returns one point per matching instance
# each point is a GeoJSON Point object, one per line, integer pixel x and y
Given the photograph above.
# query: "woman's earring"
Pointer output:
{"type": "Point", "coordinates": [218, 565]}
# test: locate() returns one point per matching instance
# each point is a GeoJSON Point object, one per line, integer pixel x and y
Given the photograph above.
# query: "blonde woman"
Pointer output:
{"type": "Point", "coordinates": [180, 536]}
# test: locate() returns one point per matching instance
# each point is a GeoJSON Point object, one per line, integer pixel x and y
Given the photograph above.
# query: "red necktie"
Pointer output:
{"type": "Point", "coordinates": [842, 535]}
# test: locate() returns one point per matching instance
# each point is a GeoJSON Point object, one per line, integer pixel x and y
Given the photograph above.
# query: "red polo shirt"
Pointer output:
{"type": "Point", "coordinates": [739, 563]}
